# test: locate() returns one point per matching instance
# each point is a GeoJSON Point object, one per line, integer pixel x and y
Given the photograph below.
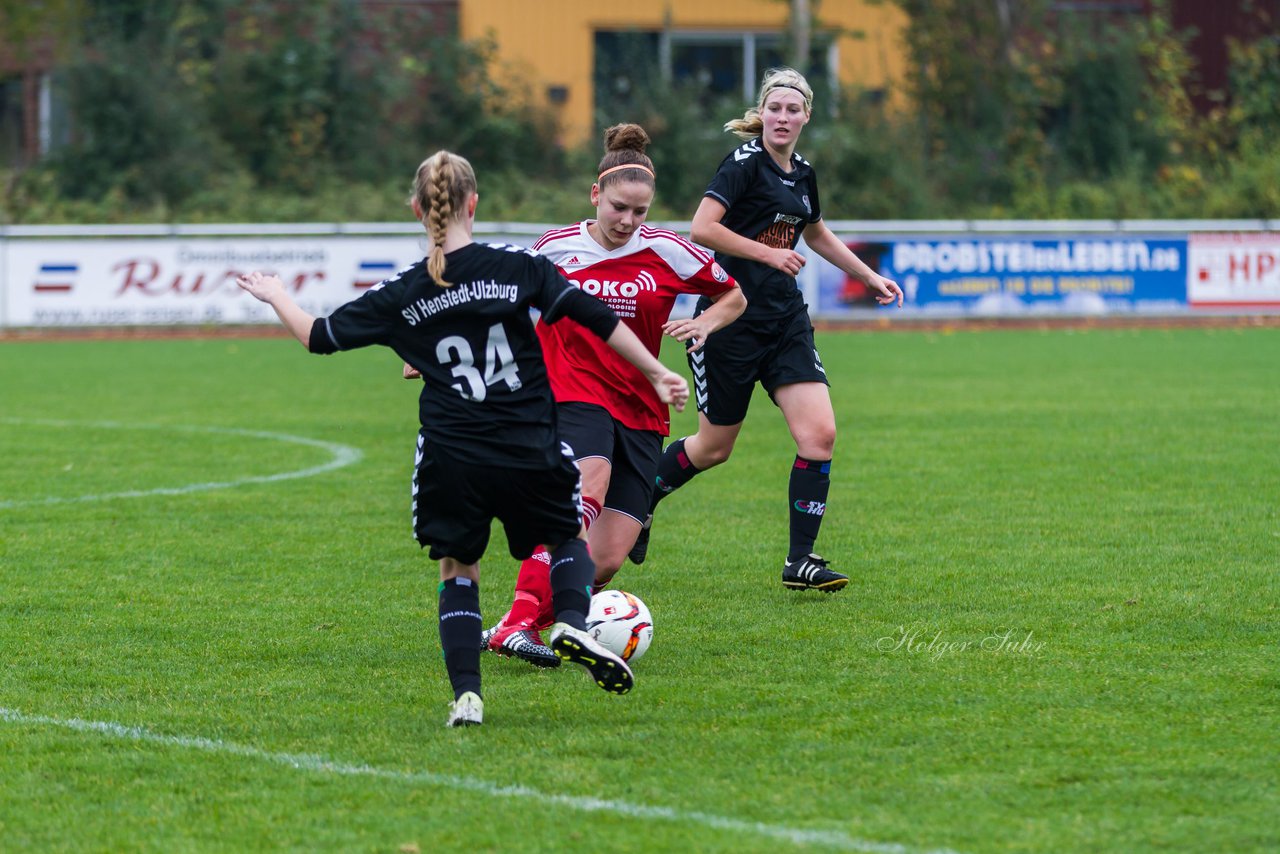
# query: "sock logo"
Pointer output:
{"type": "Point", "coordinates": [449, 615]}
{"type": "Point", "coordinates": [813, 508]}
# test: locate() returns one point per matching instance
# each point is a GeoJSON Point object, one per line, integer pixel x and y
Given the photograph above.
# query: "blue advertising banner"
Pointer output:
{"type": "Point", "coordinates": [1012, 275]}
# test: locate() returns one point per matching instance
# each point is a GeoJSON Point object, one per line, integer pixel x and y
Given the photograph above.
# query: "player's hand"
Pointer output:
{"type": "Point", "coordinates": [672, 389]}
{"type": "Point", "coordinates": [693, 329]}
{"type": "Point", "coordinates": [262, 286]}
{"type": "Point", "coordinates": [788, 261]}
{"type": "Point", "coordinates": [887, 290]}
{"type": "Point", "coordinates": [411, 373]}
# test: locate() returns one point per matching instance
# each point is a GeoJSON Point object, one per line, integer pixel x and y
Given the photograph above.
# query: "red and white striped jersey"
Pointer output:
{"type": "Point", "coordinates": [640, 282]}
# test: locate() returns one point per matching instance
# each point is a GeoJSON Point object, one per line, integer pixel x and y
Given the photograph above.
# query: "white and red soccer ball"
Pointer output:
{"type": "Point", "coordinates": [621, 623]}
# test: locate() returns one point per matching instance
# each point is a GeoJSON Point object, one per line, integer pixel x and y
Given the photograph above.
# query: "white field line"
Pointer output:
{"type": "Point", "coordinates": [311, 763]}
{"type": "Point", "coordinates": [340, 455]}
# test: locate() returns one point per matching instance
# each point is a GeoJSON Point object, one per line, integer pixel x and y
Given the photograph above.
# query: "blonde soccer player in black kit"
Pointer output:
{"type": "Point", "coordinates": [488, 445]}
{"type": "Point", "coordinates": [763, 198]}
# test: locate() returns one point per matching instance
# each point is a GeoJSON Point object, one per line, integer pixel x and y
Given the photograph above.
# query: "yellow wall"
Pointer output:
{"type": "Point", "coordinates": [549, 42]}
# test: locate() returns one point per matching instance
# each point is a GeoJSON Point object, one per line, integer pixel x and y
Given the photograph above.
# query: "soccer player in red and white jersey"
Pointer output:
{"type": "Point", "coordinates": [608, 412]}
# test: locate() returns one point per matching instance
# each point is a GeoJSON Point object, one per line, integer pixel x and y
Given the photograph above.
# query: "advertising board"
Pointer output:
{"type": "Point", "coordinates": [185, 275]}
{"type": "Point", "coordinates": [1012, 275]}
{"type": "Point", "coordinates": [188, 281]}
{"type": "Point", "coordinates": [1234, 270]}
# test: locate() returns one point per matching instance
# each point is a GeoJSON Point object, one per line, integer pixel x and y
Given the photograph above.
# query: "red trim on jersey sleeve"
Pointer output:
{"type": "Point", "coordinates": [556, 234]}
{"type": "Point", "coordinates": [665, 234]}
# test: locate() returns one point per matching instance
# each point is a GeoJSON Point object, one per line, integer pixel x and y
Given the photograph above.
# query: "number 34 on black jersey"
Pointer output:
{"type": "Point", "coordinates": [485, 394]}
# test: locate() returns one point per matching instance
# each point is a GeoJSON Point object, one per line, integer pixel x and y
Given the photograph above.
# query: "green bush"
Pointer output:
{"type": "Point", "coordinates": [137, 139]}
{"type": "Point", "coordinates": [869, 166]}
{"type": "Point", "coordinates": [1100, 129]}
{"type": "Point", "coordinates": [213, 109]}
{"type": "Point", "coordinates": [253, 110]}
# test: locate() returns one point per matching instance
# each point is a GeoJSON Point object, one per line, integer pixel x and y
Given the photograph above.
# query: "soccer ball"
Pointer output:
{"type": "Point", "coordinates": [620, 623]}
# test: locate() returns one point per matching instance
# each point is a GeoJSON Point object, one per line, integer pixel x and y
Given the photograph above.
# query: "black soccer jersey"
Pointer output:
{"type": "Point", "coordinates": [765, 204]}
{"type": "Point", "coordinates": [485, 394]}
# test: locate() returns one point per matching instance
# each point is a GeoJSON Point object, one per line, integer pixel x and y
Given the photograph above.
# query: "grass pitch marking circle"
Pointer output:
{"type": "Point", "coordinates": [339, 456]}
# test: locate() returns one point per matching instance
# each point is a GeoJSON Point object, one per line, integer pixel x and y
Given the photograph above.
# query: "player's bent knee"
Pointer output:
{"type": "Point", "coordinates": [822, 449]}
{"type": "Point", "coordinates": [607, 564]}
{"type": "Point", "coordinates": [817, 444]}
{"type": "Point", "coordinates": [710, 455]}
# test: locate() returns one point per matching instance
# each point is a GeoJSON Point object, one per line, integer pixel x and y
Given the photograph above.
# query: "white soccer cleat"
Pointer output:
{"type": "Point", "coordinates": [467, 710]}
{"type": "Point", "coordinates": [527, 645]}
{"type": "Point", "coordinates": [607, 670]}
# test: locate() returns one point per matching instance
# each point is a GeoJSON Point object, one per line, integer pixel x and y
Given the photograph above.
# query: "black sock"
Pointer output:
{"type": "Point", "coordinates": [460, 628]}
{"type": "Point", "coordinates": [675, 469]}
{"type": "Point", "coordinates": [807, 492]}
{"type": "Point", "coordinates": [572, 574]}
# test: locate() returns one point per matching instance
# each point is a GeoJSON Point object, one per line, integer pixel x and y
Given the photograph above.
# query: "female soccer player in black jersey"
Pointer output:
{"type": "Point", "coordinates": [488, 447]}
{"type": "Point", "coordinates": [760, 202]}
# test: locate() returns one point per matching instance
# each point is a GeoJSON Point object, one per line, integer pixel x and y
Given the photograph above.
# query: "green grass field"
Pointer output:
{"type": "Point", "coordinates": [217, 633]}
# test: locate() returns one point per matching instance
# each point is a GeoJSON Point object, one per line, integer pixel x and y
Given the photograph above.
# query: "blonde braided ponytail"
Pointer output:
{"type": "Point", "coordinates": [442, 187]}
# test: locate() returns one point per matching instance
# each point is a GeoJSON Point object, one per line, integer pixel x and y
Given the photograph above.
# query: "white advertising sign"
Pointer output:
{"type": "Point", "coordinates": [189, 281]}
{"type": "Point", "coordinates": [1233, 270]}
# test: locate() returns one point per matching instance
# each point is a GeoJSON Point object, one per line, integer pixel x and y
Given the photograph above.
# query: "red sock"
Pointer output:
{"type": "Point", "coordinates": [533, 589]}
{"type": "Point", "coordinates": [590, 511]}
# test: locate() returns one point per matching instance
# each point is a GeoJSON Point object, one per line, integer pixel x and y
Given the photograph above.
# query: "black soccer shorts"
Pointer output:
{"type": "Point", "coordinates": [633, 454]}
{"type": "Point", "coordinates": [773, 353]}
{"type": "Point", "coordinates": [454, 505]}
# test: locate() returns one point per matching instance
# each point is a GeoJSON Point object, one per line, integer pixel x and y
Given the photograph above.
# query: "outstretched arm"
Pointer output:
{"type": "Point", "coordinates": [822, 240]}
{"type": "Point", "coordinates": [604, 324]}
{"type": "Point", "coordinates": [725, 309]}
{"type": "Point", "coordinates": [670, 386]}
{"type": "Point", "coordinates": [269, 289]}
